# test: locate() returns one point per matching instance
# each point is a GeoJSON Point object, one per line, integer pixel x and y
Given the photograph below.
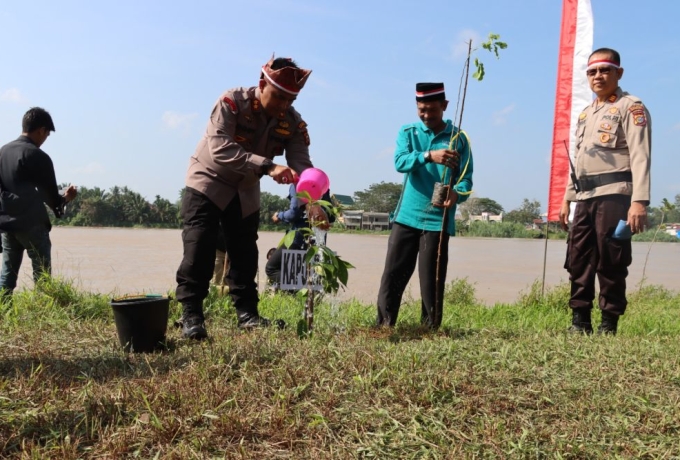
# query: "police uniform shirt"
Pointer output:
{"type": "Point", "coordinates": [614, 136]}
{"type": "Point", "coordinates": [238, 141]}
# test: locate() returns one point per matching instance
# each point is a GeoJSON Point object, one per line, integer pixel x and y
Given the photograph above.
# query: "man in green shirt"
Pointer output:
{"type": "Point", "coordinates": [427, 152]}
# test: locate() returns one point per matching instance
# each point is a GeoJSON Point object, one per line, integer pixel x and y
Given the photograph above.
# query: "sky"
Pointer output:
{"type": "Point", "coordinates": [130, 84]}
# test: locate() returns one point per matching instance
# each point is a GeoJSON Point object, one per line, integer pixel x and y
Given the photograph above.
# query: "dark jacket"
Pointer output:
{"type": "Point", "coordinates": [27, 180]}
{"type": "Point", "coordinates": [296, 215]}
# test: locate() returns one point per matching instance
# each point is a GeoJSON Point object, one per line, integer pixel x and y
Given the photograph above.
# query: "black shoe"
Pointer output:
{"type": "Point", "coordinates": [193, 327]}
{"type": "Point", "coordinates": [609, 324]}
{"type": "Point", "coordinates": [580, 321]}
{"type": "Point", "coordinates": [248, 322]}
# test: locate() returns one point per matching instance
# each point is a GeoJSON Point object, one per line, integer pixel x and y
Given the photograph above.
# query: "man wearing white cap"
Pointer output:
{"type": "Point", "coordinates": [248, 128]}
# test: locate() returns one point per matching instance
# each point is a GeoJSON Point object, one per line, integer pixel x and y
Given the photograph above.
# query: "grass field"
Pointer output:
{"type": "Point", "coordinates": [501, 382]}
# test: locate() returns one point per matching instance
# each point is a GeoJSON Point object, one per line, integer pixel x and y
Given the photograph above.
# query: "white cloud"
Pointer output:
{"type": "Point", "coordinates": [676, 127]}
{"type": "Point", "coordinates": [459, 49]}
{"type": "Point", "coordinates": [178, 121]}
{"type": "Point", "coordinates": [499, 117]}
{"type": "Point", "coordinates": [11, 95]}
{"type": "Point", "coordinates": [90, 169]}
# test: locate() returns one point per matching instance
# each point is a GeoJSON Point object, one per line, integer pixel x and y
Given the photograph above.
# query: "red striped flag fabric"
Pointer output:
{"type": "Point", "coordinates": [573, 94]}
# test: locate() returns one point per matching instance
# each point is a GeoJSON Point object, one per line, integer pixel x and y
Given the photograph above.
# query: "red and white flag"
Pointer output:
{"type": "Point", "coordinates": [573, 94]}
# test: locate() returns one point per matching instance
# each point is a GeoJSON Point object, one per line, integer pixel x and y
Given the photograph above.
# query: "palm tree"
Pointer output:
{"type": "Point", "coordinates": [135, 207]}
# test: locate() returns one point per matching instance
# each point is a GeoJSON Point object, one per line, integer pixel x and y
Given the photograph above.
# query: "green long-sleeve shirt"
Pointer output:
{"type": "Point", "coordinates": [415, 208]}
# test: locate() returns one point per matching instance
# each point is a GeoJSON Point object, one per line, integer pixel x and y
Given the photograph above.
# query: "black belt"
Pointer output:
{"type": "Point", "coordinates": [589, 183]}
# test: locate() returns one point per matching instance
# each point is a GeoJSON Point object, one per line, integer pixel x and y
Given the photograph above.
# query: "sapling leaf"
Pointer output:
{"type": "Point", "coordinates": [311, 252]}
{"type": "Point", "coordinates": [288, 239]}
{"type": "Point", "coordinates": [324, 204]}
{"type": "Point", "coordinates": [305, 195]}
{"type": "Point", "coordinates": [479, 73]}
{"type": "Point", "coordinates": [343, 275]}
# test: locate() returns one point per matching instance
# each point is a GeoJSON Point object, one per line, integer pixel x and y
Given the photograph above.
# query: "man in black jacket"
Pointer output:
{"type": "Point", "coordinates": [27, 180]}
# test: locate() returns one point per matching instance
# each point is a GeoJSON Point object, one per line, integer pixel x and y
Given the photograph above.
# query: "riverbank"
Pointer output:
{"type": "Point", "coordinates": [124, 260]}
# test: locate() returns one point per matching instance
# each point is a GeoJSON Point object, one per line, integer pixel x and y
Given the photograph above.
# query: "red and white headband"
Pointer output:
{"type": "Point", "coordinates": [599, 62]}
{"type": "Point", "coordinates": [271, 81]}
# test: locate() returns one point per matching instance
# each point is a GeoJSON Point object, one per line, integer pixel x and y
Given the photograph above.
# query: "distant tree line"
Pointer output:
{"type": "Point", "coordinates": [384, 197]}
{"type": "Point", "coordinates": [119, 207]}
{"type": "Point", "coordinates": [123, 207]}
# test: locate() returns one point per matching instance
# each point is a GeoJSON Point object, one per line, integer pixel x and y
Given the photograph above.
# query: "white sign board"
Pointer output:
{"type": "Point", "coordinates": [294, 271]}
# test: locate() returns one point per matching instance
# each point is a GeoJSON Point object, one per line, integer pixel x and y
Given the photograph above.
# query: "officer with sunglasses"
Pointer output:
{"type": "Point", "coordinates": [611, 189]}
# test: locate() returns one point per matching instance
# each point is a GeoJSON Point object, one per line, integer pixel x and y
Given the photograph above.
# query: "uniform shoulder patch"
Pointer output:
{"type": "Point", "coordinates": [637, 111]}
{"type": "Point", "coordinates": [232, 105]}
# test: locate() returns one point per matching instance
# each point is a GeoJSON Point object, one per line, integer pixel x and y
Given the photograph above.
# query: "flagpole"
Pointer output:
{"type": "Point", "coordinates": [545, 256]}
{"type": "Point", "coordinates": [571, 96]}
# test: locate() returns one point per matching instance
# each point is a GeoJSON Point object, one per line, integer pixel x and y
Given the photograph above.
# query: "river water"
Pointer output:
{"type": "Point", "coordinates": [124, 261]}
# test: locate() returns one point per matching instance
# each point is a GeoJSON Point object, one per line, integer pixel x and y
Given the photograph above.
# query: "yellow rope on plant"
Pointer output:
{"type": "Point", "coordinates": [467, 163]}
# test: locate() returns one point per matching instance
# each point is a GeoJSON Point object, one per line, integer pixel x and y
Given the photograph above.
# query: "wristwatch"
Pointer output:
{"type": "Point", "coordinates": [428, 157]}
{"type": "Point", "coordinates": [267, 166]}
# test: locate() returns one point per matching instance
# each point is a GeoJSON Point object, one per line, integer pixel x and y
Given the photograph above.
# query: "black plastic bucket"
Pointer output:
{"type": "Point", "coordinates": [141, 321]}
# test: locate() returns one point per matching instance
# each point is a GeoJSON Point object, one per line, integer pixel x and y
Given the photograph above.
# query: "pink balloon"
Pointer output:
{"type": "Point", "coordinates": [313, 181]}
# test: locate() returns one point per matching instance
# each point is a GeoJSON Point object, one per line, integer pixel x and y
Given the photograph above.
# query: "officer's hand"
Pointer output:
{"type": "Point", "coordinates": [317, 217]}
{"type": "Point", "coordinates": [70, 193]}
{"type": "Point", "coordinates": [445, 157]}
{"type": "Point", "coordinates": [283, 174]}
{"type": "Point", "coordinates": [451, 200]}
{"type": "Point", "coordinates": [275, 217]}
{"type": "Point", "coordinates": [637, 217]}
{"type": "Point", "coordinates": [564, 216]}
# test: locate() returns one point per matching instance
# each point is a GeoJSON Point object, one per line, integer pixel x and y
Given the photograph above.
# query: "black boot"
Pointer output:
{"type": "Point", "coordinates": [192, 323]}
{"type": "Point", "coordinates": [253, 320]}
{"type": "Point", "coordinates": [609, 323]}
{"type": "Point", "coordinates": [580, 321]}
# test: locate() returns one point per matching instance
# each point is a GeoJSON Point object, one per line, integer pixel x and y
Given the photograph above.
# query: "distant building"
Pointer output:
{"type": "Point", "coordinates": [342, 201]}
{"type": "Point", "coordinates": [486, 217]}
{"type": "Point", "coordinates": [351, 219]}
{"type": "Point", "coordinates": [536, 224]}
{"type": "Point", "coordinates": [673, 229]}
{"type": "Point", "coordinates": [375, 221]}
{"type": "Point", "coordinates": [362, 220]}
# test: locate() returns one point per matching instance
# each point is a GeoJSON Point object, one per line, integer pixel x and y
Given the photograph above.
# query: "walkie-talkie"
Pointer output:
{"type": "Point", "coordinates": [573, 171]}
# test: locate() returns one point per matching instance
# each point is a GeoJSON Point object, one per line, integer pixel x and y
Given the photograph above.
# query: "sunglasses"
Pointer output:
{"type": "Point", "coordinates": [602, 70]}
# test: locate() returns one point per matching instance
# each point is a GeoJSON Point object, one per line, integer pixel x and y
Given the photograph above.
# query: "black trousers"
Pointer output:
{"type": "Point", "coordinates": [591, 251]}
{"type": "Point", "coordinates": [405, 245]}
{"type": "Point", "coordinates": [202, 218]}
